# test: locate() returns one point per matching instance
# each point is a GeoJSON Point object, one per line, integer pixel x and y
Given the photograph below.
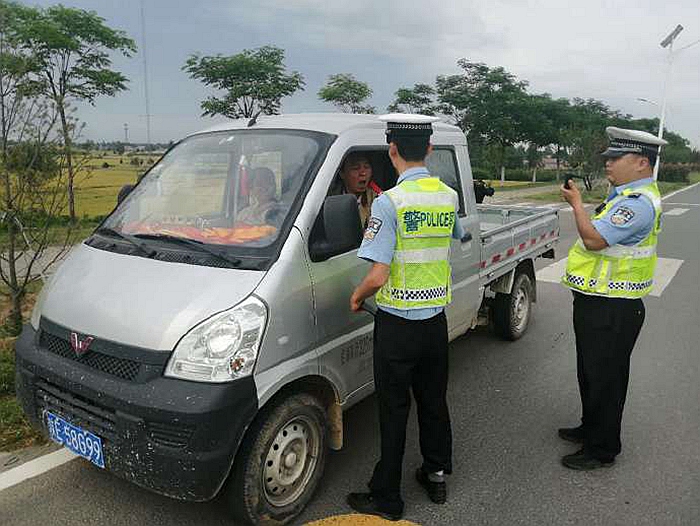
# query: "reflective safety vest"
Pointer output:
{"type": "Point", "coordinates": [617, 271]}
{"type": "Point", "coordinates": [420, 269]}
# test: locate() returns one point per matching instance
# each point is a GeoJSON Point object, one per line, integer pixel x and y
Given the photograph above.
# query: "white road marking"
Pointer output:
{"type": "Point", "coordinates": [679, 191]}
{"type": "Point", "coordinates": [666, 269]}
{"type": "Point", "coordinates": [676, 211]}
{"type": "Point", "coordinates": [34, 468]}
{"type": "Point", "coordinates": [552, 273]}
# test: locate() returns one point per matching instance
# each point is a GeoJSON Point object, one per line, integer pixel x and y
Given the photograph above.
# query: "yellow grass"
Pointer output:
{"type": "Point", "coordinates": [96, 190]}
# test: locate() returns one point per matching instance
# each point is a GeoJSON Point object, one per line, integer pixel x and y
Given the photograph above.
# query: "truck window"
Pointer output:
{"type": "Point", "coordinates": [364, 173]}
{"type": "Point", "coordinates": [442, 163]}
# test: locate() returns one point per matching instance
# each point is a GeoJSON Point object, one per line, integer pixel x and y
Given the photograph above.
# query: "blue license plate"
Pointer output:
{"type": "Point", "coordinates": [78, 440]}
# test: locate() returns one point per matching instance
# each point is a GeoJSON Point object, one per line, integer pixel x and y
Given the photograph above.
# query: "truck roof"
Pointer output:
{"type": "Point", "coordinates": [335, 123]}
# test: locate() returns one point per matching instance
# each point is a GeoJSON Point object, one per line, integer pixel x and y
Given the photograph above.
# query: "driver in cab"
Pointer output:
{"type": "Point", "coordinates": [355, 178]}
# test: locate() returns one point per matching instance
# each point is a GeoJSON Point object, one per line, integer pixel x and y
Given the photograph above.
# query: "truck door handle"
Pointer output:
{"type": "Point", "coordinates": [466, 238]}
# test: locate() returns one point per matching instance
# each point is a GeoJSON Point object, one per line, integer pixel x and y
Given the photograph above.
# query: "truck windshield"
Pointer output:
{"type": "Point", "coordinates": [236, 189]}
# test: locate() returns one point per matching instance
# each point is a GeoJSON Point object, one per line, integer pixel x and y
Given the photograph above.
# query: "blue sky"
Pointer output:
{"type": "Point", "coordinates": [607, 50]}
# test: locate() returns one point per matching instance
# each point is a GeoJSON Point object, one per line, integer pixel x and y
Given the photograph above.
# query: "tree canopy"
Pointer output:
{"type": "Point", "coordinates": [347, 93]}
{"type": "Point", "coordinates": [254, 81]}
{"type": "Point", "coordinates": [418, 99]}
{"type": "Point", "coordinates": [71, 49]}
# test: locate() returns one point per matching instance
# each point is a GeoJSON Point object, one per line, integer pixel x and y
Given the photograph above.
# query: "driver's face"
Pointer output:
{"type": "Point", "coordinates": [356, 175]}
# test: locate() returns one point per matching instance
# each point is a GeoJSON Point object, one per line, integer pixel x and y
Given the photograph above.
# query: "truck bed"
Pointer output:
{"type": "Point", "coordinates": [510, 234]}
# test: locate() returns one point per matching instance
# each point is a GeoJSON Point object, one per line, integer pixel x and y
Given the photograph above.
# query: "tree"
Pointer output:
{"type": "Point", "coordinates": [31, 185]}
{"type": "Point", "coordinates": [73, 47]}
{"type": "Point", "coordinates": [538, 127]}
{"type": "Point", "coordinates": [418, 99]}
{"type": "Point", "coordinates": [586, 134]}
{"type": "Point", "coordinates": [561, 116]}
{"type": "Point", "coordinates": [485, 102]}
{"type": "Point", "coordinates": [254, 82]}
{"type": "Point", "coordinates": [347, 93]}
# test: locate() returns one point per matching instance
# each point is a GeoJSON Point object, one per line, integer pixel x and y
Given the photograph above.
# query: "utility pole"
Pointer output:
{"type": "Point", "coordinates": [145, 75]}
{"type": "Point", "coordinates": [126, 133]}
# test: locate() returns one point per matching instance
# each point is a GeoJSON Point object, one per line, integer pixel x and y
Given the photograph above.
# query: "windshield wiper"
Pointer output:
{"type": "Point", "coordinates": [114, 233]}
{"type": "Point", "coordinates": [199, 245]}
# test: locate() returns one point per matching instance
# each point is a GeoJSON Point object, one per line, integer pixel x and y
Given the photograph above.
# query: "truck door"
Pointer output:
{"type": "Point", "coordinates": [444, 163]}
{"type": "Point", "coordinates": [345, 337]}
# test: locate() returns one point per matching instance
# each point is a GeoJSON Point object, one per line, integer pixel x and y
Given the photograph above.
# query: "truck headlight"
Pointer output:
{"type": "Point", "coordinates": [222, 348]}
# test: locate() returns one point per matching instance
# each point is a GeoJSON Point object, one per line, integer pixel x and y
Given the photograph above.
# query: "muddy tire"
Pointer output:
{"type": "Point", "coordinates": [511, 312]}
{"type": "Point", "coordinates": [280, 462]}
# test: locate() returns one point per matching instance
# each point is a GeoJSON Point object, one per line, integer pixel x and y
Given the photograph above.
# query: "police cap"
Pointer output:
{"type": "Point", "coordinates": [624, 141]}
{"type": "Point", "coordinates": [404, 125]}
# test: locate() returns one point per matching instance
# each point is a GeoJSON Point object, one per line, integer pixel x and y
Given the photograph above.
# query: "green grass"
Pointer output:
{"type": "Point", "coordinates": [694, 177]}
{"type": "Point", "coordinates": [57, 233]}
{"type": "Point", "coordinates": [508, 186]}
{"type": "Point", "coordinates": [15, 430]}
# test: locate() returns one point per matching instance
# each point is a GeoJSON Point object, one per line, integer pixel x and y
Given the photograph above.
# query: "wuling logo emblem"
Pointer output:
{"type": "Point", "coordinates": [80, 347]}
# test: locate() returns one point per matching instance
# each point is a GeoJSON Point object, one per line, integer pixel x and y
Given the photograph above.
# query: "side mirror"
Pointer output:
{"type": "Point", "coordinates": [337, 229]}
{"type": "Point", "coordinates": [124, 192]}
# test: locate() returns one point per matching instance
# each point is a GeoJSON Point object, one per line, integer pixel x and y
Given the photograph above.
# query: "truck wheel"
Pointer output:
{"type": "Point", "coordinates": [280, 462]}
{"type": "Point", "coordinates": [512, 311]}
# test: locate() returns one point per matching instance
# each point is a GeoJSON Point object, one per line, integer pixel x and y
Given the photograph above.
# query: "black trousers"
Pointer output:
{"type": "Point", "coordinates": [410, 355]}
{"type": "Point", "coordinates": [606, 331]}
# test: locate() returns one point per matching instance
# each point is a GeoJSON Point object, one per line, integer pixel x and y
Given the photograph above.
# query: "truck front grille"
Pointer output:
{"type": "Point", "coordinates": [76, 409]}
{"type": "Point", "coordinates": [119, 367]}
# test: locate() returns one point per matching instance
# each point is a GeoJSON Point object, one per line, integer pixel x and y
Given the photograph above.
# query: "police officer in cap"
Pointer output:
{"type": "Point", "coordinates": [610, 269]}
{"type": "Point", "coordinates": [408, 242]}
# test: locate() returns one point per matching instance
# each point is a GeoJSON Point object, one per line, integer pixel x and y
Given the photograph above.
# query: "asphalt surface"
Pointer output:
{"type": "Point", "coordinates": [507, 400]}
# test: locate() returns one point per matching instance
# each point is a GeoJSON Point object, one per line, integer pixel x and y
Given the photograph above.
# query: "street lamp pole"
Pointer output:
{"type": "Point", "coordinates": [666, 42]}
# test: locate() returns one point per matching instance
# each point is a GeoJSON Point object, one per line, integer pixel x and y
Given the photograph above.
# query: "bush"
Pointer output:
{"type": "Point", "coordinates": [7, 367]}
{"type": "Point", "coordinates": [525, 174]}
{"type": "Point", "coordinates": [676, 173]}
{"type": "Point", "coordinates": [105, 165]}
{"type": "Point", "coordinates": [481, 173]}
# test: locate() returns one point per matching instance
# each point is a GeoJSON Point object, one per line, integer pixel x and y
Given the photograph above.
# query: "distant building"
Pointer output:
{"type": "Point", "coordinates": [550, 163]}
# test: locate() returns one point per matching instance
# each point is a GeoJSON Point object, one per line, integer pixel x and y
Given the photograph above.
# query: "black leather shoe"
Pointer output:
{"type": "Point", "coordinates": [572, 434]}
{"type": "Point", "coordinates": [365, 504]}
{"type": "Point", "coordinates": [437, 491]}
{"type": "Point", "coordinates": [584, 462]}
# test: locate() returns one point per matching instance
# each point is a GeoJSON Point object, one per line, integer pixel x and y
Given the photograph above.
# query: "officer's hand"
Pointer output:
{"type": "Point", "coordinates": [571, 195]}
{"type": "Point", "coordinates": [355, 303]}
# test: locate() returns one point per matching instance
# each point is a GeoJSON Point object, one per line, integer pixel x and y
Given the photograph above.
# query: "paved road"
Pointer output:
{"type": "Point", "coordinates": [507, 400]}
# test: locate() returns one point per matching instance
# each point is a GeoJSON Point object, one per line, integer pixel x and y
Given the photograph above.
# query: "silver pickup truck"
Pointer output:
{"type": "Point", "coordinates": [200, 341]}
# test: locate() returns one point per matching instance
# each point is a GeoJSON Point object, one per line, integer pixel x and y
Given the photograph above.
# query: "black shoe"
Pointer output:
{"type": "Point", "coordinates": [572, 434]}
{"type": "Point", "coordinates": [582, 461]}
{"type": "Point", "coordinates": [365, 503]}
{"type": "Point", "coordinates": [437, 491]}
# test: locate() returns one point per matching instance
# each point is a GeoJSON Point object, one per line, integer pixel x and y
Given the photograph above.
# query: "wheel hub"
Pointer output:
{"type": "Point", "coordinates": [289, 463]}
{"type": "Point", "coordinates": [520, 310]}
